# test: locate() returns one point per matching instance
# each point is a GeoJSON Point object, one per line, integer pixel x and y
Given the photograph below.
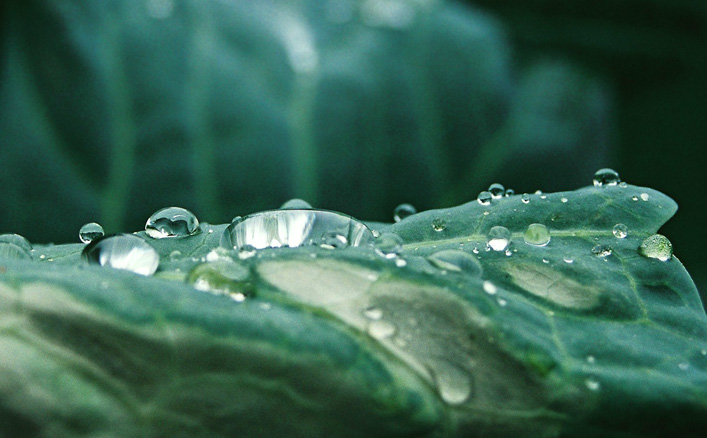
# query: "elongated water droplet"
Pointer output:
{"type": "Point", "coordinates": [223, 277]}
{"type": "Point", "coordinates": [402, 211]}
{"type": "Point", "coordinates": [498, 238]}
{"type": "Point", "coordinates": [525, 198]}
{"type": "Point", "coordinates": [601, 250]}
{"type": "Point", "coordinates": [537, 234]}
{"type": "Point", "coordinates": [497, 190]}
{"type": "Point", "coordinates": [620, 231]}
{"type": "Point", "coordinates": [388, 245]}
{"type": "Point", "coordinates": [606, 177]}
{"type": "Point", "coordinates": [122, 251]}
{"type": "Point", "coordinates": [172, 222]}
{"type": "Point", "coordinates": [90, 232]}
{"type": "Point", "coordinates": [457, 261]}
{"type": "Point", "coordinates": [484, 198]}
{"type": "Point", "coordinates": [293, 228]}
{"type": "Point", "coordinates": [438, 224]}
{"type": "Point", "coordinates": [16, 240]}
{"type": "Point", "coordinates": [296, 204]}
{"type": "Point", "coordinates": [656, 246]}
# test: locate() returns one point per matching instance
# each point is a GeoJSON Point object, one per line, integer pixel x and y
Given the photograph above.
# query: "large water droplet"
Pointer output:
{"type": "Point", "coordinates": [172, 222]}
{"type": "Point", "coordinates": [498, 238]}
{"type": "Point", "coordinates": [537, 234]}
{"type": "Point", "coordinates": [620, 231]}
{"type": "Point", "coordinates": [601, 250]}
{"type": "Point", "coordinates": [388, 245]}
{"type": "Point", "coordinates": [16, 240]}
{"type": "Point", "coordinates": [484, 198]}
{"type": "Point", "coordinates": [295, 204]}
{"type": "Point", "coordinates": [123, 251]}
{"type": "Point", "coordinates": [402, 211]}
{"type": "Point", "coordinates": [497, 190]}
{"type": "Point", "coordinates": [606, 177]}
{"type": "Point", "coordinates": [438, 224]}
{"type": "Point", "coordinates": [222, 277]}
{"type": "Point", "coordinates": [457, 261]}
{"type": "Point", "coordinates": [656, 246]}
{"type": "Point", "coordinates": [90, 232]}
{"type": "Point", "coordinates": [293, 228]}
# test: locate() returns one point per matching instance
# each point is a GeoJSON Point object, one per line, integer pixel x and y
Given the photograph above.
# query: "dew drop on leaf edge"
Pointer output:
{"type": "Point", "coordinates": [606, 177]}
{"type": "Point", "coordinates": [402, 211]}
{"type": "Point", "coordinates": [90, 232]}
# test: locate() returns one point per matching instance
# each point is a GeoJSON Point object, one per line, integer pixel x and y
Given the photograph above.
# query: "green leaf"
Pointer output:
{"type": "Point", "coordinates": [554, 340]}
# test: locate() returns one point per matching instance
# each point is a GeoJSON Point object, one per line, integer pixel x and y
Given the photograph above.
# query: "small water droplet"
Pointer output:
{"type": "Point", "coordinates": [501, 302]}
{"type": "Point", "coordinates": [388, 245]}
{"type": "Point", "coordinates": [172, 222]}
{"type": "Point", "coordinates": [489, 287]}
{"type": "Point", "coordinates": [402, 211]}
{"type": "Point", "coordinates": [175, 255]}
{"type": "Point", "coordinates": [381, 329]}
{"type": "Point", "coordinates": [591, 359]}
{"type": "Point", "coordinates": [634, 198]}
{"type": "Point", "coordinates": [333, 240]}
{"type": "Point", "coordinates": [568, 260]}
{"type": "Point", "coordinates": [684, 366]}
{"type": "Point", "coordinates": [537, 235]}
{"type": "Point", "coordinates": [400, 262]}
{"type": "Point", "coordinates": [90, 231]}
{"type": "Point", "coordinates": [620, 231]}
{"type": "Point", "coordinates": [484, 198]}
{"type": "Point", "coordinates": [498, 238]}
{"type": "Point", "coordinates": [373, 313]}
{"type": "Point", "coordinates": [438, 224]}
{"type": "Point", "coordinates": [525, 198]}
{"type": "Point", "coordinates": [453, 384]}
{"type": "Point", "coordinates": [222, 277]}
{"type": "Point", "coordinates": [543, 196]}
{"type": "Point", "coordinates": [563, 200]}
{"type": "Point", "coordinates": [623, 184]}
{"type": "Point", "coordinates": [122, 251]}
{"type": "Point", "coordinates": [510, 192]}
{"type": "Point", "coordinates": [606, 177]}
{"type": "Point", "coordinates": [497, 190]}
{"type": "Point", "coordinates": [546, 261]}
{"type": "Point", "coordinates": [644, 196]}
{"type": "Point", "coordinates": [16, 240]}
{"type": "Point", "coordinates": [592, 385]}
{"type": "Point", "coordinates": [296, 204]}
{"type": "Point", "coordinates": [508, 253]}
{"type": "Point", "coordinates": [601, 250]}
{"type": "Point", "coordinates": [457, 261]}
{"type": "Point", "coordinates": [656, 246]}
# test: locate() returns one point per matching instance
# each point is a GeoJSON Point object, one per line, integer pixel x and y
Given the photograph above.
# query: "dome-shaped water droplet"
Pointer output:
{"type": "Point", "coordinates": [293, 228]}
{"type": "Point", "coordinates": [497, 190]}
{"type": "Point", "coordinates": [90, 232]}
{"type": "Point", "coordinates": [620, 231]}
{"type": "Point", "coordinates": [172, 222]}
{"type": "Point", "coordinates": [123, 251]}
{"type": "Point", "coordinates": [498, 238]}
{"type": "Point", "coordinates": [510, 192]}
{"type": "Point", "coordinates": [601, 250]}
{"type": "Point", "coordinates": [537, 234]}
{"type": "Point", "coordinates": [438, 224]}
{"type": "Point", "coordinates": [296, 204]}
{"type": "Point", "coordinates": [656, 246]}
{"type": "Point", "coordinates": [606, 177]}
{"type": "Point", "coordinates": [16, 240]}
{"type": "Point", "coordinates": [645, 196]}
{"type": "Point", "coordinates": [222, 277]}
{"type": "Point", "coordinates": [563, 200]}
{"type": "Point", "coordinates": [457, 261]}
{"type": "Point", "coordinates": [484, 198]}
{"type": "Point", "coordinates": [381, 329]}
{"type": "Point", "coordinates": [525, 198]}
{"type": "Point", "coordinates": [402, 211]}
{"type": "Point", "coordinates": [388, 245]}
{"type": "Point", "coordinates": [13, 252]}
{"type": "Point", "coordinates": [333, 240]}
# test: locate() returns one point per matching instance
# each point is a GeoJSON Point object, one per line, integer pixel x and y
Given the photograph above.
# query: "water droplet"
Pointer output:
{"type": "Point", "coordinates": [498, 238]}
{"type": "Point", "coordinates": [606, 177]}
{"type": "Point", "coordinates": [484, 198]}
{"type": "Point", "coordinates": [592, 384]}
{"type": "Point", "coordinates": [623, 184]}
{"type": "Point", "coordinates": [172, 222]}
{"type": "Point", "coordinates": [568, 260]}
{"type": "Point", "coordinates": [438, 224]}
{"type": "Point", "coordinates": [373, 313]}
{"type": "Point", "coordinates": [543, 196]}
{"type": "Point", "coordinates": [222, 277]}
{"type": "Point", "coordinates": [546, 261]}
{"type": "Point", "coordinates": [453, 384]}
{"type": "Point", "coordinates": [497, 190]}
{"type": "Point", "coordinates": [501, 302]}
{"type": "Point", "coordinates": [381, 329]}
{"type": "Point", "coordinates": [402, 211]}
{"type": "Point", "coordinates": [656, 246]}
{"type": "Point", "coordinates": [489, 287]}
{"type": "Point", "coordinates": [684, 366]}
{"type": "Point", "coordinates": [537, 234]}
{"type": "Point", "coordinates": [620, 231]}
{"type": "Point", "coordinates": [293, 228]}
{"type": "Point", "coordinates": [333, 240]}
{"type": "Point", "coordinates": [295, 204]}
{"type": "Point", "coordinates": [510, 192]}
{"type": "Point", "coordinates": [388, 245]}
{"type": "Point", "coordinates": [400, 262]}
{"type": "Point", "coordinates": [175, 255]}
{"type": "Point", "coordinates": [122, 251]}
{"type": "Point", "coordinates": [634, 198]}
{"type": "Point", "coordinates": [16, 240]}
{"type": "Point", "coordinates": [457, 261]}
{"type": "Point", "coordinates": [601, 250]}
{"type": "Point", "coordinates": [644, 196]}
{"type": "Point", "coordinates": [563, 200]}
{"type": "Point", "coordinates": [13, 252]}
{"type": "Point", "coordinates": [525, 198]}
{"type": "Point", "coordinates": [90, 231]}
{"type": "Point", "coordinates": [591, 359]}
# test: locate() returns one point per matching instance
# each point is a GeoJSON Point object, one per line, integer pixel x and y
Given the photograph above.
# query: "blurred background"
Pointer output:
{"type": "Point", "coordinates": [111, 110]}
